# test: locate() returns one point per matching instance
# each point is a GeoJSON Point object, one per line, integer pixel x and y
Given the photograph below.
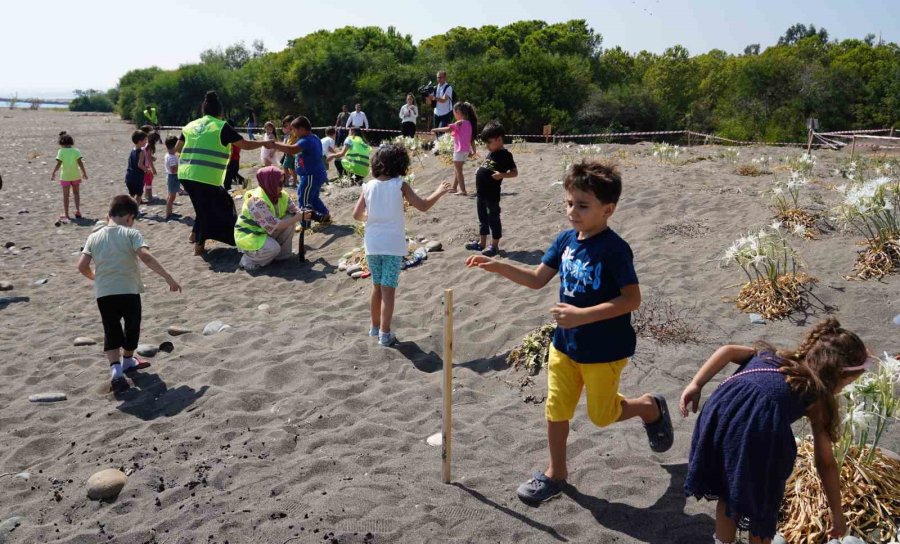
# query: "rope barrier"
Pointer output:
{"type": "Point", "coordinates": [867, 137]}
{"type": "Point", "coordinates": [861, 131]}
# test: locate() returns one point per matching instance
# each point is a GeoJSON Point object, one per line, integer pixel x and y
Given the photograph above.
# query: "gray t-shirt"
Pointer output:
{"type": "Point", "coordinates": [114, 251]}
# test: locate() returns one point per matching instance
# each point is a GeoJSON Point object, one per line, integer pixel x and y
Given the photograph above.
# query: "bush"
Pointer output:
{"type": "Point", "coordinates": [91, 100]}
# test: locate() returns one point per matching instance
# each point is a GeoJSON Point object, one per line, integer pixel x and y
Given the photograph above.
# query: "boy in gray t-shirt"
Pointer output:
{"type": "Point", "coordinates": [115, 250]}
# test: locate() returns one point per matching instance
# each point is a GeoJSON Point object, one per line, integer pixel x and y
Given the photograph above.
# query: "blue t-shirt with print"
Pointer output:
{"type": "Point", "coordinates": [309, 159]}
{"type": "Point", "coordinates": [591, 272]}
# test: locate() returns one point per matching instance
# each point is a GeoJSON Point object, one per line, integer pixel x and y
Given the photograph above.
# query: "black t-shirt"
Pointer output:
{"type": "Point", "coordinates": [496, 161]}
{"type": "Point", "coordinates": [227, 136]}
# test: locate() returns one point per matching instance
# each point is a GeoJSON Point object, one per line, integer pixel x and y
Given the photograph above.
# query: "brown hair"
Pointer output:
{"type": "Point", "coordinates": [390, 160]}
{"type": "Point", "coordinates": [815, 368]}
{"type": "Point", "coordinates": [595, 176]}
{"type": "Point", "coordinates": [123, 206]}
{"type": "Point", "coordinates": [301, 123]}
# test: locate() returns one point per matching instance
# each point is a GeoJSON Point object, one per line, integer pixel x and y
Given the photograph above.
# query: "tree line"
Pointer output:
{"type": "Point", "coordinates": [530, 73]}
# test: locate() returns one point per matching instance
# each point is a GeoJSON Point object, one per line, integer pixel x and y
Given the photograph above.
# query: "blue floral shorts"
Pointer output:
{"type": "Point", "coordinates": [385, 269]}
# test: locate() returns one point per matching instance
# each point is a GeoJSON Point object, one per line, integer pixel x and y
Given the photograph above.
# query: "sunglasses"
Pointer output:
{"type": "Point", "coordinates": [867, 365]}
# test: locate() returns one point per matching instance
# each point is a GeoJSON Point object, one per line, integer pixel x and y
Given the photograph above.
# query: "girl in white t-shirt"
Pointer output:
{"type": "Point", "coordinates": [380, 205]}
{"type": "Point", "coordinates": [328, 147]}
{"type": "Point", "coordinates": [267, 156]}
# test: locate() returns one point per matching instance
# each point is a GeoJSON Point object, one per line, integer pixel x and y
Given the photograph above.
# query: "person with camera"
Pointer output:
{"type": "Point", "coordinates": [409, 112]}
{"type": "Point", "coordinates": [443, 99]}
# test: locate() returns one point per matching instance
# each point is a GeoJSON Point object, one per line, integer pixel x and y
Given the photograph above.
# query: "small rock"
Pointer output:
{"type": "Point", "coordinates": [263, 307]}
{"type": "Point", "coordinates": [47, 397]}
{"type": "Point", "coordinates": [23, 210]}
{"type": "Point", "coordinates": [214, 327]}
{"type": "Point", "coordinates": [176, 330]}
{"type": "Point", "coordinates": [106, 484]}
{"type": "Point", "coordinates": [9, 526]}
{"type": "Point", "coordinates": [358, 274]}
{"type": "Point", "coordinates": [434, 245]}
{"type": "Point", "coordinates": [342, 265]}
{"type": "Point", "coordinates": [353, 269]}
{"type": "Point", "coordinates": [9, 245]}
{"type": "Point", "coordinates": [41, 281]}
{"type": "Point", "coordinates": [435, 440]}
{"type": "Point", "coordinates": [757, 319]}
{"type": "Point", "coordinates": [167, 347]}
{"type": "Point", "coordinates": [147, 350]}
{"type": "Point", "coordinates": [897, 319]}
{"type": "Point", "coordinates": [84, 341]}
{"type": "Point", "coordinates": [6, 286]}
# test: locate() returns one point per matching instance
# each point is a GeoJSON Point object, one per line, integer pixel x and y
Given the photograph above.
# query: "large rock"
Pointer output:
{"type": "Point", "coordinates": [106, 484]}
{"type": "Point", "coordinates": [214, 327]}
{"type": "Point", "coordinates": [147, 350]}
{"type": "Point", "coordinates": [84, 341]}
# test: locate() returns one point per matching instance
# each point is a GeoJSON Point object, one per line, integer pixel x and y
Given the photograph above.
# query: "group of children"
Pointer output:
{"type": "Point", "coordinates": [742, 450]}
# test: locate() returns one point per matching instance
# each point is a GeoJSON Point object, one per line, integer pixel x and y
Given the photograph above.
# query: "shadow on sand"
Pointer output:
{"type": "Point", "coordinates": [150, 398]}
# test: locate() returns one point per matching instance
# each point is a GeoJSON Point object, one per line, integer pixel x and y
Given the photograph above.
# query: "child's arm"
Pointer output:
{"type": "Point", "coordinates": [148, 259]}
{"type": "Point", "coordinates": [505, 175]}
{"type": "Point", "coordinates": [712, 366]}
{"type": "Point", "coordinates": [568, 316]}
{"type": "Point", "coordinates": [359, 212]}
{"type": "Point", "coordinates": [83, 171]}
{"type": "Point", "coordinates": [142, 162]}
{"type": "Point", "coordinates": [424, 204]}
{"type": "Point", "coordinates": [84, 266]}
{"type": "Point", "coordinates": [442, 129]}
{"type": "Point", "coordinates": [55, 170]}
{"type": "Point", "coordinates": [339, 154]}
{"type": "Point", "coordinates": [534, 278]}
{"type": "Point", "coordinates": [287, 149]}
{"type": "Point", "coordinates": [827, 467]}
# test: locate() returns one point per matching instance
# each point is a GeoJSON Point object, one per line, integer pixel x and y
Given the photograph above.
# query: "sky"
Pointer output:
{"type": "Point", "coordinates": [55, 47]}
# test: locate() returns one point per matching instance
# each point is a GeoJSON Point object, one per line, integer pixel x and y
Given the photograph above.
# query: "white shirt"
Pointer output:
{"type": "Point", "coordinates": [171, 163]}
{"type": "Point", "coordinates": [408, 114]}
{"type": "Point", "coordinates": [357, 119]}
{"type": "Point", "coordinates": [443, 108]}
{"type": "Point", "coordinates": [385, 229]}
{"type": "Point", "coordinates": [327, 145]}
{"type": "Point", "coordinates": [267, 154]}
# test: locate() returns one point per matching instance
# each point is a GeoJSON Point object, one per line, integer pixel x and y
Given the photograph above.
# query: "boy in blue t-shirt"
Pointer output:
{"type": "Point", "coordinates": [598, 290]}
{"type": "Point", "coordinates": [310, 167]}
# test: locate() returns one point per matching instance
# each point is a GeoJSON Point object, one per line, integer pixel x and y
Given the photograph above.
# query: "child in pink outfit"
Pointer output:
{"type": "Point", "coordinates": [463, 132]}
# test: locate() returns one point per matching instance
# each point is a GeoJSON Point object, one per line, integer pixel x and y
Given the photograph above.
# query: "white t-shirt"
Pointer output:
{"type": "Point", "coordinates": [408, 114]}
{"type": "Point", "coordinates": [385, 229]}
{"type": "Point", "coordinates": [171, 163]}
{"type": "Point", "coordinates": [114, 252]}
{"type": "Point", "coordinates": [357, 119]}
{"type": "Point", "coordinates": [264, 153]}
{"type": "Point", "coordinates": [443, 108]}
{"type": "Point", "coordinates": [327, 145]}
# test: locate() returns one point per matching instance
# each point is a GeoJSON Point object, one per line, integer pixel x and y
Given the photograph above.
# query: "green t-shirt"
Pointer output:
{"type": "Point", "coordinates": [114, 251]}
{"type": "Point", "coordinates": [69, 156]}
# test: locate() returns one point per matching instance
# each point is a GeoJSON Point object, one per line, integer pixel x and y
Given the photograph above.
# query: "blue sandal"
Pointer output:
{"type": "Point", "coordinates": [474, 246]}
{"type": "Point", "coordinates": [540, 488]}
{"type": "Point", "coordinates": [660, 433]}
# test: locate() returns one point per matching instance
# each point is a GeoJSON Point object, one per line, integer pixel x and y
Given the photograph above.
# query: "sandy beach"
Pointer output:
{"type": "Point", "coordinates": [292, 423]}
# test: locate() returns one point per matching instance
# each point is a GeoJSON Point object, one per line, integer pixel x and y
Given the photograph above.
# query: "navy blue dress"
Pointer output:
{"type": "Point", "coordinates": [743, 448]}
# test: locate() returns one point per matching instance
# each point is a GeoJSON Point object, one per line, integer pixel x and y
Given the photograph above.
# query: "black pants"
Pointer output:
{"type": "Point", "coordinates": [214, 211]}
{"type": "Point", "coordinates": [340, 137]}
{"type": "Point", "coordinates": [408, 129]}
{"type": "Point", "coordinates": [441, 121]}
{"type": "Point", "coordinates": [489, 215]}
{"type": "Point", "coordinates": [114, 309]}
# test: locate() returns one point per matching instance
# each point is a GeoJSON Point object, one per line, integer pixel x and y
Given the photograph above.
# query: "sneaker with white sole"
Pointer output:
{"type": "Point", "coordinates": [386, 339]}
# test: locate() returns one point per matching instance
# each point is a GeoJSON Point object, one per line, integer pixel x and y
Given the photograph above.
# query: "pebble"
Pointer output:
{"type": "Point", "coordinates": [263, 307]}
{"type": "Point", "coordinates": [757, 319]}
{"type": "Point", "coordinates": [84, 341]}
{"type": "Point", "coordinates": [9, 526]}
{"type": "Point", "coordinates": [897, 319]}
{"type": "Point", "coordinates": [167, 347]}
{"type": "Point", "coordinates": [9, 245]}
{"type": "Point", "coordinates": [434, 245]}
{"type": "Point", "coordinates": [106, 484]}
{"type": "Point", "coordinates": [435, 440]}
{"type": "Point", "coordinates": [23, 210]}
{"type": "Point", "coordinates": [358, 274]}
{"type": "Point", "coordinates": [353, 269]}
{"type": "Point", "coordinates": [6, 286]}
{"type": "Point", "coordinates": [47, 397]}
{"type": "Point", "coordinates": [176, 330]}
{"type": "Point", "coordinates": [214, 327]}
{"type": "Point", "coordinates": [342, 265]}
{"type": "Point", "coordinates": [41, 281]}
{"type": "Point", "coordinates": [147, 350]}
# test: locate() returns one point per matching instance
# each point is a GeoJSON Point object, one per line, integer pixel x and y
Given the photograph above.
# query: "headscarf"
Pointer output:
{"type": "Point", "coordinates": [269, 179]}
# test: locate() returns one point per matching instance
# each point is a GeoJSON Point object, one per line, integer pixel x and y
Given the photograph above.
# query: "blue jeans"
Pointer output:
{"type": "Point", "coordinates": [308, 192]}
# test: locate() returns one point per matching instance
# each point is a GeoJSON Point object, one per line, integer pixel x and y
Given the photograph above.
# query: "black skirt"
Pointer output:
{"type": "Point", "coordinates": [214, 210]}
{"type": "Point", "coordinates": [408, 129]}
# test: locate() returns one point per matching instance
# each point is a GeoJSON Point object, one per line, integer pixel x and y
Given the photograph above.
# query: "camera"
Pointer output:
{"type": "Point", "coordinates": [427, 90]}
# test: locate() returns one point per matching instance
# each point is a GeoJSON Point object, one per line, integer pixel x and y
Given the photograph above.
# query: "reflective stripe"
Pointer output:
{"type": "Point", "coordinates": [199, 162]}
{"type": "Point", "coordinates": [201, 151]}
{"type": "Point", "coordinates": [249, 231]}
{"type": "Point", "coordinates": [251, 222]}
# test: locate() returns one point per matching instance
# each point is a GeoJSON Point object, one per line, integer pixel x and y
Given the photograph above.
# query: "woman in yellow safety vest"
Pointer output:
{"type": "Point", "coordinates": [353, 158]}
{"type": "Point", "coordinates": [205, 147]}
{"type": "Point", "coordinates": [265, 226]}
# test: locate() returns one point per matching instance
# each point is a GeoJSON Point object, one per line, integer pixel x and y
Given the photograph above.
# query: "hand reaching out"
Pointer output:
{"type": "Point", "coordinates": [690, 399]}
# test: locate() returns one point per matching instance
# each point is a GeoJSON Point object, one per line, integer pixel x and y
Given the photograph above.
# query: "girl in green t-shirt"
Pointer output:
{"type": "Point", "coordinates": [68, 163]}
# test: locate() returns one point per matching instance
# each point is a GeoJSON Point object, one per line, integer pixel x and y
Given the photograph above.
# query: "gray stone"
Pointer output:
{"type": "Point", "coordinates": [897, 319]}
{"type": "Point", "coordinates": [6, 286]}
{"type": "Point", "coordinates": [8, 526]}
{"type": "Point", "coordinates": [757, 319]}
{"type": "Point", "coordinates": [147, 350]}
{"type": "Point", "coordinates": [41, 281]}
{"type": "Point", "coordinates": [106, 484]}
{"type": "Point", "coordinates": [8, 245]}
{"type": "Point", "coordinates": [263, 307]}
{"type": "Point", "coordinates": [47, 397]}
{"type": "Point", "coordinates": [167, 347]}
{"type": "Point", "coordinates": [353, 269]}
{"type": "Point", "coordinates": [356, 275]}
{"type": "Point", "coordinates": [214, 327]}
{"type": "Point", "coordinates": [434, 245]}
{"type": "Point", "coordinates": [84, 341]}
{"type": "Point", "coordinates": [176, 330]}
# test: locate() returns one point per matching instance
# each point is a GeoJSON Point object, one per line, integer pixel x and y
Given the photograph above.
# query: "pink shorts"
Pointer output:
{"type": "Point", "coordinates": [72, 183]}
{"type": "Point", "coordinates": [148, 179]}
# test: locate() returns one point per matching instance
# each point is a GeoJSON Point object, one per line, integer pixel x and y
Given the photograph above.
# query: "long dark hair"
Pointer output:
{"type": "Point", "coordinates": [469, 114]}
{"type": "Point", "coordinates": [816, 367]}
{"type": "Point", "coordinates": [211, 104]}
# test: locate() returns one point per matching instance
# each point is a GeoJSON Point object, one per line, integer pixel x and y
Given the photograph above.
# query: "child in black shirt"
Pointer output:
{"type": "Point", "coordinates": [497, 166]}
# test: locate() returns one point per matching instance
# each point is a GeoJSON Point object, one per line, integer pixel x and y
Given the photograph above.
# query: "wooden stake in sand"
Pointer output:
{"type": "Point", "coordinates": [448, 384]}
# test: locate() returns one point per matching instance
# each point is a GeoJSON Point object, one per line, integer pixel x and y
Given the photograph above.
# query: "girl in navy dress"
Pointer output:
{"type": "Point", "coordinates": [743, 449]}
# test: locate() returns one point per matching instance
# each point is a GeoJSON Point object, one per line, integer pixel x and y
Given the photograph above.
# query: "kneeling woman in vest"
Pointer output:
{"type": "Point", "coordinates": [205, 146]}
{"type": "Point", "coordinates": [265, 226]}
{"type": "Point", "coordinates": [353, 159]}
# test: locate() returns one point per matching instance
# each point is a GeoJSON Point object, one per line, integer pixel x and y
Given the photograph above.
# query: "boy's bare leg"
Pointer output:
{"type": "Point", "coordinates": [483, 240]}
{"type": "Point", "coordinates": [644, 407]}
{"type": "Point", "coordinates": [113, 355]}
{"type": "Point", "coordinates": [494, 242]}
{"type": "Point", "coordinates": [557, 436]}
{"type": "Point", "coordinates": [170, 202]}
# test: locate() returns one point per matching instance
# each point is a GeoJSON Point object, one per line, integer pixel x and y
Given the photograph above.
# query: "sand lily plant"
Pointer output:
{"type": "Point", "coordinates": [666, 152]}
{"type": "Point", "coordinates": [872, 209]}
{"type": "Point", "coordinates": [786, 203]}
{"type": "Point", "coordinates": [777, 285]}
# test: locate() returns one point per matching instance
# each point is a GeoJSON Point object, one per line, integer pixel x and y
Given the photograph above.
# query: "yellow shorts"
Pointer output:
{"type": "Point", "coordinates": [565, 380]}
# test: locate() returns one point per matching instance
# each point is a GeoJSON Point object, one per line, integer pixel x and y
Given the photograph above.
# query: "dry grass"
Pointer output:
{"type": "Point", "coordinates": [685, 229]}
{"type": "Point", "coordinates": [534, 350]}
{"type": "Point", "coordinates": [748, 170]}
{"type": "Point", "coordinates": [870, 497]}
{"type": "Point", "coordinates": [877, 262]}
{"type": "Point", "coordinates": [32, 155]}
{"type": "Point", "coordinates": [777, 301]}
{"type": "Point", "coordinates": [658, 318]}
{"type": "Point", "coordinates": [796, 217]}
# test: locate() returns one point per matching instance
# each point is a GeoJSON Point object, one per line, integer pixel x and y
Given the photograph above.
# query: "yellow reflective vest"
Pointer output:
{"type": "Point", "coordinates": [204, 159]}
{"type": "Point", "coordinates": [250, 235]}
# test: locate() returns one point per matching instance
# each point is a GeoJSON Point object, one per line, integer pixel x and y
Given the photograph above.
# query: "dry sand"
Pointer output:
{"type": "Point", "coordinates": [294, 422]}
